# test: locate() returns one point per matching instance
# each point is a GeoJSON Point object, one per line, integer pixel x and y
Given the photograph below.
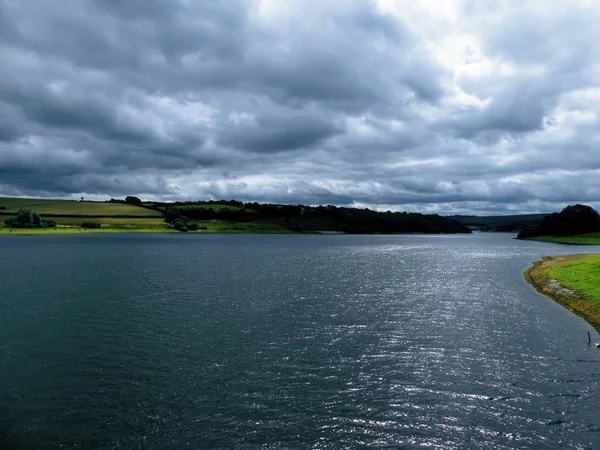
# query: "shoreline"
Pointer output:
{"type": "Point", "coordinates": [566, 240]}
{"type": "Point", "coordinates": [64, 230]}
{"type": "Point", "coordinates": [75, 230]}
{"type": "Point", "coordinates": [584, 306]}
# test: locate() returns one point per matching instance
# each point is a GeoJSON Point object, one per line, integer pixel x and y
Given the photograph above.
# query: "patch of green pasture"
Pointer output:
{"type": "Point", "coordinates": [580, 273]}
{"type": "Point", "coordinates": [145, 226]}
{"type": "Point", "coordinates": [217, 226]}
{"type": "Point", "coordinates": [74, 207]}
{"type": "Point", "coordinates": [140, 222]}
{"type": "Point", "coordinates": [79, 230]}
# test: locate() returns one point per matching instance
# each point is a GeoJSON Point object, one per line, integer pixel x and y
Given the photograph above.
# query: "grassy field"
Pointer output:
{"type": "Point", "coordinates": [75, 213]}
{"type": "Point", "coordinates": [139, 222]}
{"type": "Point", "coordinates": [580, 239]}
{"type": "Point", "coordinates": [573, 281]}
{"type": "Point", "coordinates": [580, 273]}
{"type": "Point", "coordinates": [75, 208]}
{"type": "Point", "coordinates": [79, 230]}
{"type": "Point", "coordinates": [241, 227]}
{"type": "Point", "coordinates": [211, 227]}
{"type": "Point", "coordinates": [71, 225]}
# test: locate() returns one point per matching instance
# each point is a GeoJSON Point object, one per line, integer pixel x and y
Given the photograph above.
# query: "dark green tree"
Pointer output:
{"type": "Point", "coordinates": [574, 219]}
{"type": "Point", "coordinates": [132, 199]}
{"type": "Point", "coordinates": [24, 216]}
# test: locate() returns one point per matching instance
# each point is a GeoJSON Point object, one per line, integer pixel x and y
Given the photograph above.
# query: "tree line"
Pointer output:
{"type": "Point", "coordinates": [25, 218]}
{"type": "Point", "coordinates": [574, 219]}
{"type": "Point", "coordinates": [320, 218]}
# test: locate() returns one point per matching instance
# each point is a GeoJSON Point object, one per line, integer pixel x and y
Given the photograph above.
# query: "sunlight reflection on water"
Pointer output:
{"type": "Point", "coordinates": [289, 342]}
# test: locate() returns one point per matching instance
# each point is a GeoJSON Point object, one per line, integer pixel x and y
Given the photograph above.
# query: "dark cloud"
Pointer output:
{"type": "Point", "coordinates": [279, 131]}
{"type": "Point", "coordinates": [488, 107]}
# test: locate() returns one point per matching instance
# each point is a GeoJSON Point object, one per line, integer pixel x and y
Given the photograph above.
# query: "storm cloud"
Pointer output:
{"type": "Point", "coordinates": [461, 106]}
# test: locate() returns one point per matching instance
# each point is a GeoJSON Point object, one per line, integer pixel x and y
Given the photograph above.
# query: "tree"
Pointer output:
{"type": "Point", "coordinates": [36, 219]}
{"type": "Point", "coordinates": [24, 216]}
{"type": "Point", "coordinates": [172, 214]}
{"type": "Point", "coordinates": [132, 199]}
{"type": "Point", "coordinates": [179, 225]}
{"type": "Point", "coordinates": [574, 219]}
{"type": "Point", "coordinates": [578, 219]}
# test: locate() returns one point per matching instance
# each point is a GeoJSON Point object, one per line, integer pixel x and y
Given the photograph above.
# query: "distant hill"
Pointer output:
{"type": "Point", "coordinates": [223, 216]}
{"type": "Point", "coordinates": [500, 223]}
{"type": "Point", "coordinates": [304, 218]}
{"type": "Point", "coordinates": [75, 208]}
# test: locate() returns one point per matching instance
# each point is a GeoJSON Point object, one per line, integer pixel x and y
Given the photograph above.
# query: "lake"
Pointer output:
{"type": "Point", "coordinates": [166, 341]}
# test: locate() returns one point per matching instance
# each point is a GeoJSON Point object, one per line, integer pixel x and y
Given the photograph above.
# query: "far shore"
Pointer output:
{"type": "Point", "coordinates": [80, 230]}
{"type": "Point", "coordinates": [572, 281]}
{"type": "Point", "coordinates": [580, 239]}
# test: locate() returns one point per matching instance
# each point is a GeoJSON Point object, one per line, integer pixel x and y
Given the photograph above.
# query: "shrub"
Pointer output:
{"type": "Point", "coordinates": [180, 225]}
{"type": "Point", "coordinates": [90, 225]}
{"type": "Point", "coordinates": [193, 226]}
{"type": "Point", "coordinates": [528, 232]}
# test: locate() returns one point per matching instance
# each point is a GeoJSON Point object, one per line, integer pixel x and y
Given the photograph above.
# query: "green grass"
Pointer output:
{"type": "Point", "coordinates": [70, 225]}
{"type": "Point", "coordinates": [140, 222]}
{"type": "Point", "coordinates": [579, 273]}
{"type": "Point", "coordinates": [75, 208]}
{"type": "Point", "coordinates": [101, 212]}
{"type": "Point", "coordinates": [215, 226]}
{"type": "Point", "coordinates": [580, 239]}
{"type": "Point", "coordinates": [78, 230]}
{"type": "Point", "coordinates": [573, 281]}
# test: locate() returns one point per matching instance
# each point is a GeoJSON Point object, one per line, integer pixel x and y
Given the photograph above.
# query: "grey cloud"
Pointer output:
{"type": "Point", "coordinates": [556, 38]}
{"type": "Point", "coordinates": [331, 102]}
{"type": "Point", "coordinates": [517, 109]}
{"type": "Point", "coordinates": [280, 132]}
{"type": "Point", "coordinates": [9, 125]}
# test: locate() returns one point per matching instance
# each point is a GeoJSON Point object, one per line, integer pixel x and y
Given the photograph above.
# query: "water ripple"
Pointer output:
{"type": "Point", "coordinates": [288, 342]}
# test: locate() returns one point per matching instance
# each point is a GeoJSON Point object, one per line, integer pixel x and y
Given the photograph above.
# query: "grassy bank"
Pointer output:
{"type": "Point", "coordinates": [114, 222]}
{"type": "Point", "coordinates": [225, 216]}
{"type": "Point", "coordinates": [573, 281]}
{"type": "Point", "coordinates": [118, 217]}
{"type": "Point", "coordinates": [80, 230]}
{"type": "Point", "coordinates": [75, 208]}
{"type": "Point", "coordinates": [579, 239]}
{"type": "Point", "coordinates": [70, 226]}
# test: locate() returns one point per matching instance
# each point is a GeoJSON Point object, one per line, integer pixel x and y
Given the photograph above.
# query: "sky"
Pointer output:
{"type": "Point", "coordinates": [447, 106]}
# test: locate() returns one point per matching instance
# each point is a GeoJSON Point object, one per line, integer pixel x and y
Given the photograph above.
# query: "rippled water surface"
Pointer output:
{"type": "Point", "coordinates": [190, 341]}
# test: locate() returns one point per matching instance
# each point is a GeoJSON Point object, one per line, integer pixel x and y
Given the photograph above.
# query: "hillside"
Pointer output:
{"type": "Point", "coordinates": [575, 224]}
{"type": "Point", "coordinates": [221, 217]}
{"type": "Point", "coordinates": [50, 208]}
{"type": "Point", "coordinates": [304, 218]}
{"type": "Point", "coordinates": [500, 223]}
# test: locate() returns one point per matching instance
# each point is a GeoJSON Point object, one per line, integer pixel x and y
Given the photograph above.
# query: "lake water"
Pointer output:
{"type": "Point", "coordinates": [214, 341]}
